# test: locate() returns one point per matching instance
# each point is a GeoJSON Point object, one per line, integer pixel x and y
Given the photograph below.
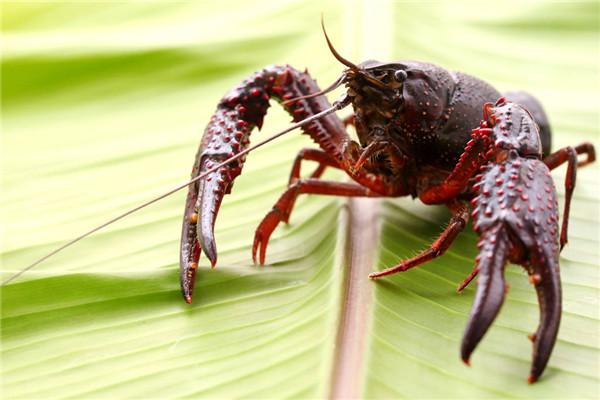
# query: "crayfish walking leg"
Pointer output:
{"type": "Point", "coordinates": [569, 155]}
{"type": "Point", "coordinates": [446, 192]}
{"type": "Point", "coordinates": [281, 211]}
{"type": "Point", "coordinates": [457, 224]}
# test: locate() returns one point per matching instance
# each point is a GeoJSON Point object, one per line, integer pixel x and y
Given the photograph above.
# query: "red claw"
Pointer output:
{"type": "Point", "coordinates": [490, 289]}
{"type": "Point", "coordinates": [519, 225]}
{"type": "Point", "coordinates": [228, 134]}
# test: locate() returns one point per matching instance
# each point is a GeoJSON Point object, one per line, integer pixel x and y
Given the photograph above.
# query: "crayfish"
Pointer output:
{"type": "Point", "coordinates": [414, 123]}
{"type": "Point", "coordinates": [444, 137]}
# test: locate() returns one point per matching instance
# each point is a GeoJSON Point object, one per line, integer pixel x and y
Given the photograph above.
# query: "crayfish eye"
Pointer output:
{"type": "Point", "coordinates": [400, 75]}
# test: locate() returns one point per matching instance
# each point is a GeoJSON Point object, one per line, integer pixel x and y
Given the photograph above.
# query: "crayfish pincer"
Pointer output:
{"type": "Point", "coordinates": [421, 133]}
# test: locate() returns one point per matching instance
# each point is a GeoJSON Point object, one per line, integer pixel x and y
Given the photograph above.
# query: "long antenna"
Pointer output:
{"type": "Point", "coordinates": [337, 105]}
{"type": "Point", "coordinates": [328, 89]}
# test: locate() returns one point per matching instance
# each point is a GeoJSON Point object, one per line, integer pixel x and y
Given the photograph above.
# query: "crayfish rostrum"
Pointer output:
{"type": "Point", "coordinates": [442, 136]}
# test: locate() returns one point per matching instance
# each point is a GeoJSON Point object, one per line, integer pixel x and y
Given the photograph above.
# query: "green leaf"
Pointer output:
{"type": "Point", "coordinates": [103, 106]}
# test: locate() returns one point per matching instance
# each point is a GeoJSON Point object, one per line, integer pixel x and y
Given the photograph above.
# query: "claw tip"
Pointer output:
{"type": "Point", "coordinates": [532, 379]}
{"type": "Point", "coordinates": [207, 240]}
{"type": "Point", "coordinates": [188, 299]}
{"type": "Point", "coordinates": [211, 253]}
{"type": "Point", "coordinates": [467, 362]}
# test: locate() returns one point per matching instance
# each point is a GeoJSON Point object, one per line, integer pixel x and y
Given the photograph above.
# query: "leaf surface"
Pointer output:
{"type": "Point", "coordinates": [103, 107]}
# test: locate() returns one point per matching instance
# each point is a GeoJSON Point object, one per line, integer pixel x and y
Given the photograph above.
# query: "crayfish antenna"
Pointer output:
{"type": "Point", "coordinates": [335, 53]}
{"type": "Point", "coordinates": [491, 288]}
{"type": "Point", "coordinates": [338, 105]}
{"type": "Point", "coordinates": [328, 89]}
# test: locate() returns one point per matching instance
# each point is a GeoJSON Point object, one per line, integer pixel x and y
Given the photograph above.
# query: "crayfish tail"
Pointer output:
{"type": "Point", "coordinates": [491, 288]}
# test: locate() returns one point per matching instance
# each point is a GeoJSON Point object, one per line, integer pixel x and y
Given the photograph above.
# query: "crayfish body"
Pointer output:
{"type": "Point", "coordinates": [422, 134]}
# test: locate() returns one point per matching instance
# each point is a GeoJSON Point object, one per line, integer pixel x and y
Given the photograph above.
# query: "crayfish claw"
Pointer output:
{"type": "Point", "coordinates": [490, 289]}
{"type": "Point", "coordinates": [519, 224]}
{"type": "Point", "coordinates": [202, 206]}
{"type": "Point", "coordinates": [208, 244]}
{"type": "Point", "coordinates": [190, 247]}
{"type": "Point", "coordinates": [548, 291]}
{"type": "Point", "coordinates": [208, 205]}
{"type": "Point", "coordinates": [227, 135]}
{"type": "Point", "coordinates": [210, 195]}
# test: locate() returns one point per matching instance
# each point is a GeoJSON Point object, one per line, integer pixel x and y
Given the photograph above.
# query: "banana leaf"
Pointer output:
{"type": "Point", "coordinates": [103, 105]}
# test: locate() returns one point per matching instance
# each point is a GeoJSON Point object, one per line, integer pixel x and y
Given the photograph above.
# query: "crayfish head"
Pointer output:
{"type": "Point", "coordinates": [376, 92]}
{"type": "Point", "coordinates": [375, 88]}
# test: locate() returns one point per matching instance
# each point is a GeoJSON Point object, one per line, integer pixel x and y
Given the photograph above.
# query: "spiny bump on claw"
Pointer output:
{"type": "Point", "coordinates": [535, 279]}
{"type": "Point", "coordinates": [193, 218]}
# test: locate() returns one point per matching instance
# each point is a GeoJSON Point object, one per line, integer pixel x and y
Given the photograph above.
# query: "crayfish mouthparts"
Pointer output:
{"type": "Point", "coordinates": [371, 150]}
